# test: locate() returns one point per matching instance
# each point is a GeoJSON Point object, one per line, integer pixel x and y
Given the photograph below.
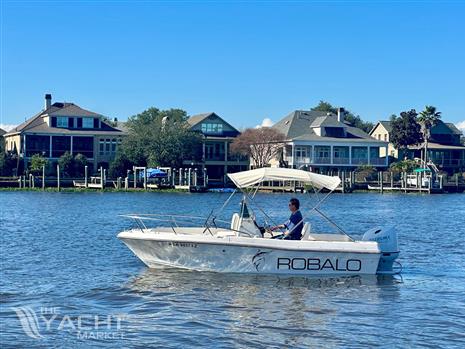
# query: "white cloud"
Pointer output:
{"type": "Point", "coordinates": [461, 126]}
{"type": "Point", "coordinates": [7, 127]}
{"type": "Point", "coordinates": [267, 122]}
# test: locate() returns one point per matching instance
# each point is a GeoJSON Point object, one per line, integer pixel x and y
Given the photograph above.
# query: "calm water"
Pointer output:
{"type": "Point", "coordinates": [61, 261]}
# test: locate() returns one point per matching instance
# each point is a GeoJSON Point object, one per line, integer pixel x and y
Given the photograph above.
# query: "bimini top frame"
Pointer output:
{"type": "Point", "coordinates": [253, 178]}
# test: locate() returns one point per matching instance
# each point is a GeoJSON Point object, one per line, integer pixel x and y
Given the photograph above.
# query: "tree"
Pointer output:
{"type": "Point", "coordinates": [428, 118]}
{"type": "Point", "coordinates": [260, 144]}
{"type": "Point", "coordinates": [405, 130]}
{"type": "Point", "coordinates": [66, 164]}
{"type": "Point", "coordinates": [404, 166]}
{"type": "Point", "coordinates": [354, 120]}
{"type": "Point", "coordinates": [37, 163]}
{"type": "Point", "coordinates": [79, 165]}
{"type": "Point", "coordinates": [9, 162]}
{"type": "Point", "coordinates": [119, 166]}
{"type": "Point", "coordinates": [325, 107]}
{"type": "Point", "coordinates": [161, 138]}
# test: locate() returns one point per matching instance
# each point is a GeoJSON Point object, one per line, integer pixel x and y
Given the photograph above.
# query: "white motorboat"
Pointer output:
{"type": "Point", "coordinates": [244, 247]}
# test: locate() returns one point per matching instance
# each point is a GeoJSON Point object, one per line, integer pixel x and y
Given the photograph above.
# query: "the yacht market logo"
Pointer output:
{"type": "Point", "coordinates": [37, 324]}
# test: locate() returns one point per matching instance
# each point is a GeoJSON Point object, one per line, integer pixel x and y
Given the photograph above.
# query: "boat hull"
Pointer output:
{"type": "Point", "coordinates": [224, 255]}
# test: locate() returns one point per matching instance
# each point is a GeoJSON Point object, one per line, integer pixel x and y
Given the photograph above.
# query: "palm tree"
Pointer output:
{"type": "Point", "coordinates": [428, 118]}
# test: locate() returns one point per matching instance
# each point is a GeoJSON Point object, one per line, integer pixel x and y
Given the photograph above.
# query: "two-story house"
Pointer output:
{"type": "Point", "coordinates": [321, 141]}
{"type": "Point", "coordinates": [444, 147]}
{"type": "Point", "coordinates": [217, 137]}
{"type": "Point", "coordinates": [65, 127]}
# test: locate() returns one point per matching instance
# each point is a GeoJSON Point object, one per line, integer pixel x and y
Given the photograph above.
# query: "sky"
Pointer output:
{"type": "Point", "coordinates": [246, 61]}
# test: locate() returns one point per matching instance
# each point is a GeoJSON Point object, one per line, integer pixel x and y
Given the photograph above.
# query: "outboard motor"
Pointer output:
{"type": "Point", "coordinates": [387, 241]}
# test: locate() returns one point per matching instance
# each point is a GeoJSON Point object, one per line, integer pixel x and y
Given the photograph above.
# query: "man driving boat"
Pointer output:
{"type": "Point", "coordinates": [294, 225]}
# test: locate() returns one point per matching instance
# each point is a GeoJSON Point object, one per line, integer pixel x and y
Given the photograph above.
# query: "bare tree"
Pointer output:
{"type": "Point", "coordinates": [260, 144]}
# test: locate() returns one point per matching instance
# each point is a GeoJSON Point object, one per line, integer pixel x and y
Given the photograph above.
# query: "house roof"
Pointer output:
{"type": "Point", "coordinates": [453, 128]}
{"type": "Point", "coordinates": [70, 109]}
{"type": "Point", "coordinates": [438, 146]}
{"type": "Point", "coordinates": [196, 119]}
{"type": "Point", "coordinates": [36, 123]}
{"type": "Point", "coordinates": [448, 125]}
{"type": "Point", "coordinates": [327, 121]}
{"type": "Point", "coordinates": [386, 124]}
{"type": "Point", "coordinates": [300, 125]}
{"type": "Point", "coordinates": [2, 131]}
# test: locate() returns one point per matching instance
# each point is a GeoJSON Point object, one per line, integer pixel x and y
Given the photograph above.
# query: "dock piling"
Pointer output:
{"type": "Point", "coordinates": [101, 177]}
{"type": "Point", "coordinates": [58, 177]}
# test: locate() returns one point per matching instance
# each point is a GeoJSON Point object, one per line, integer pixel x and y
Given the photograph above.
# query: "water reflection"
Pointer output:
{"type": "Point", "coordinates": [261, 309]}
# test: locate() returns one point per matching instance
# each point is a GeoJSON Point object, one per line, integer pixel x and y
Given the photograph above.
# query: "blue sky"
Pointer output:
{"type": "Point", "coordinates": [244, 60]}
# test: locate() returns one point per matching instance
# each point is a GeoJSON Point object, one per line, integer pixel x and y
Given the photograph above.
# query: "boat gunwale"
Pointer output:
{"type": "Point", "coordinates": [239, 244]}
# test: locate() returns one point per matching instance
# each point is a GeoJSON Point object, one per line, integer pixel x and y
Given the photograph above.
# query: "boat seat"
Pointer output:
{"type": "Point", "coordinates": [235, 221]}
{"type": "Point", "coordinates": [306, 232]}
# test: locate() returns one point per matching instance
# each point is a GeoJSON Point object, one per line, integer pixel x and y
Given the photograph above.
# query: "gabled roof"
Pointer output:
{"type": "Point", "coordinates": [70, 109]}
{"type": "Point", "coordinates": [327, 121]}
{"type": "Point", "coordinates": [300, 125]}
{"type": "Point", "coordinates": [448, 125]}
{"type": "Point", "coordinates": [453, 128]}
{"type": "Point", "coordinates": [196, 119]}
{"type": "Point", "coordinates": [386, 124]}
{"type": "Point", "coordinates": [37, 124]}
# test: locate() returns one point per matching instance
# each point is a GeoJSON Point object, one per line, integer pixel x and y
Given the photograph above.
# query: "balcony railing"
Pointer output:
{"type": "Point", "coordinates": [322, 160]}
{"type": "Point", "coordinates": [236, 157]}
{"type": "Point", "coordinates": [214, 157]}
{"type": "Point", "coordinates": [377, 161]}
{"type": "Point", "coordinates": [359, 161]}
{"type": "Point", "coordinates": [339, 161]}
{"type": "Point", "coordinates": [336, 161]}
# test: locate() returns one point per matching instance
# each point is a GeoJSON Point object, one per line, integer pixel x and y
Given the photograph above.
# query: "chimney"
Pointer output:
{"type": "Point", "coordinates": [48, 101]}
{"type": "Point", "coordinates": [340, 114]}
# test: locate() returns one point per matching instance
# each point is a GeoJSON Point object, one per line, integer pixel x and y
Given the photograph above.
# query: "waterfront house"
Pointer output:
{"type": "Point", "coordinates": [216, 155]}
{"type": "Point", "coordinates": [65, 127]}
{"type": "Point", "coordinates": [320, 141]}
{"type": "Point", "coordinates": [444, 147]}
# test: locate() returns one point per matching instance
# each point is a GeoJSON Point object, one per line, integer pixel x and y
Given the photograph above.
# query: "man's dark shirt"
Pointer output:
{"type": "Point", "coordinates": [294, 220]}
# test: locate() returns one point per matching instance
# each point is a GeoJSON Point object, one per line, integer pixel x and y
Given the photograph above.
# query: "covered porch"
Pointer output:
{"type": "Point", "coordinates": [333, 155]}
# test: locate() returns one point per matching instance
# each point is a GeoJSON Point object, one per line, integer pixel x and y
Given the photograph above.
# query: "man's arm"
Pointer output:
{"type": "Point", "coordinates": [281, 226]}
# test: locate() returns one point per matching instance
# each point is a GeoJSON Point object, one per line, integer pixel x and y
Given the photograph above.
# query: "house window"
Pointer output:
{"type": "Point", "coordinates": [108, 146]}
{"type": "Point", "coordinates": [37, 145]}
{"type": "Point", "coordinates": [301, 152]}
{"type": "Point", "coordinates": [62, 121]}
{"type": "Point", "coordinates": [323, 152]}
{"type": "Point", "coordinates": [341, 152]}
{"type": "Point", "coordinates": [60, 145]}
{"type": "Point", "coordinates": [212, 128]}
{"type": "Point", "coordinates": [386, 137]}
{"type": "Point", "coordinates": [84, 146]}
{"type": "Point", "coordinates": [87, 123]}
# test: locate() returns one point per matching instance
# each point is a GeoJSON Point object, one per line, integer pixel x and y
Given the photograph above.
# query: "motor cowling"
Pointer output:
{"type": "Point", "coordinates": [387, 241]}
{"type": "Point", "coordinates": [385, 237]}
